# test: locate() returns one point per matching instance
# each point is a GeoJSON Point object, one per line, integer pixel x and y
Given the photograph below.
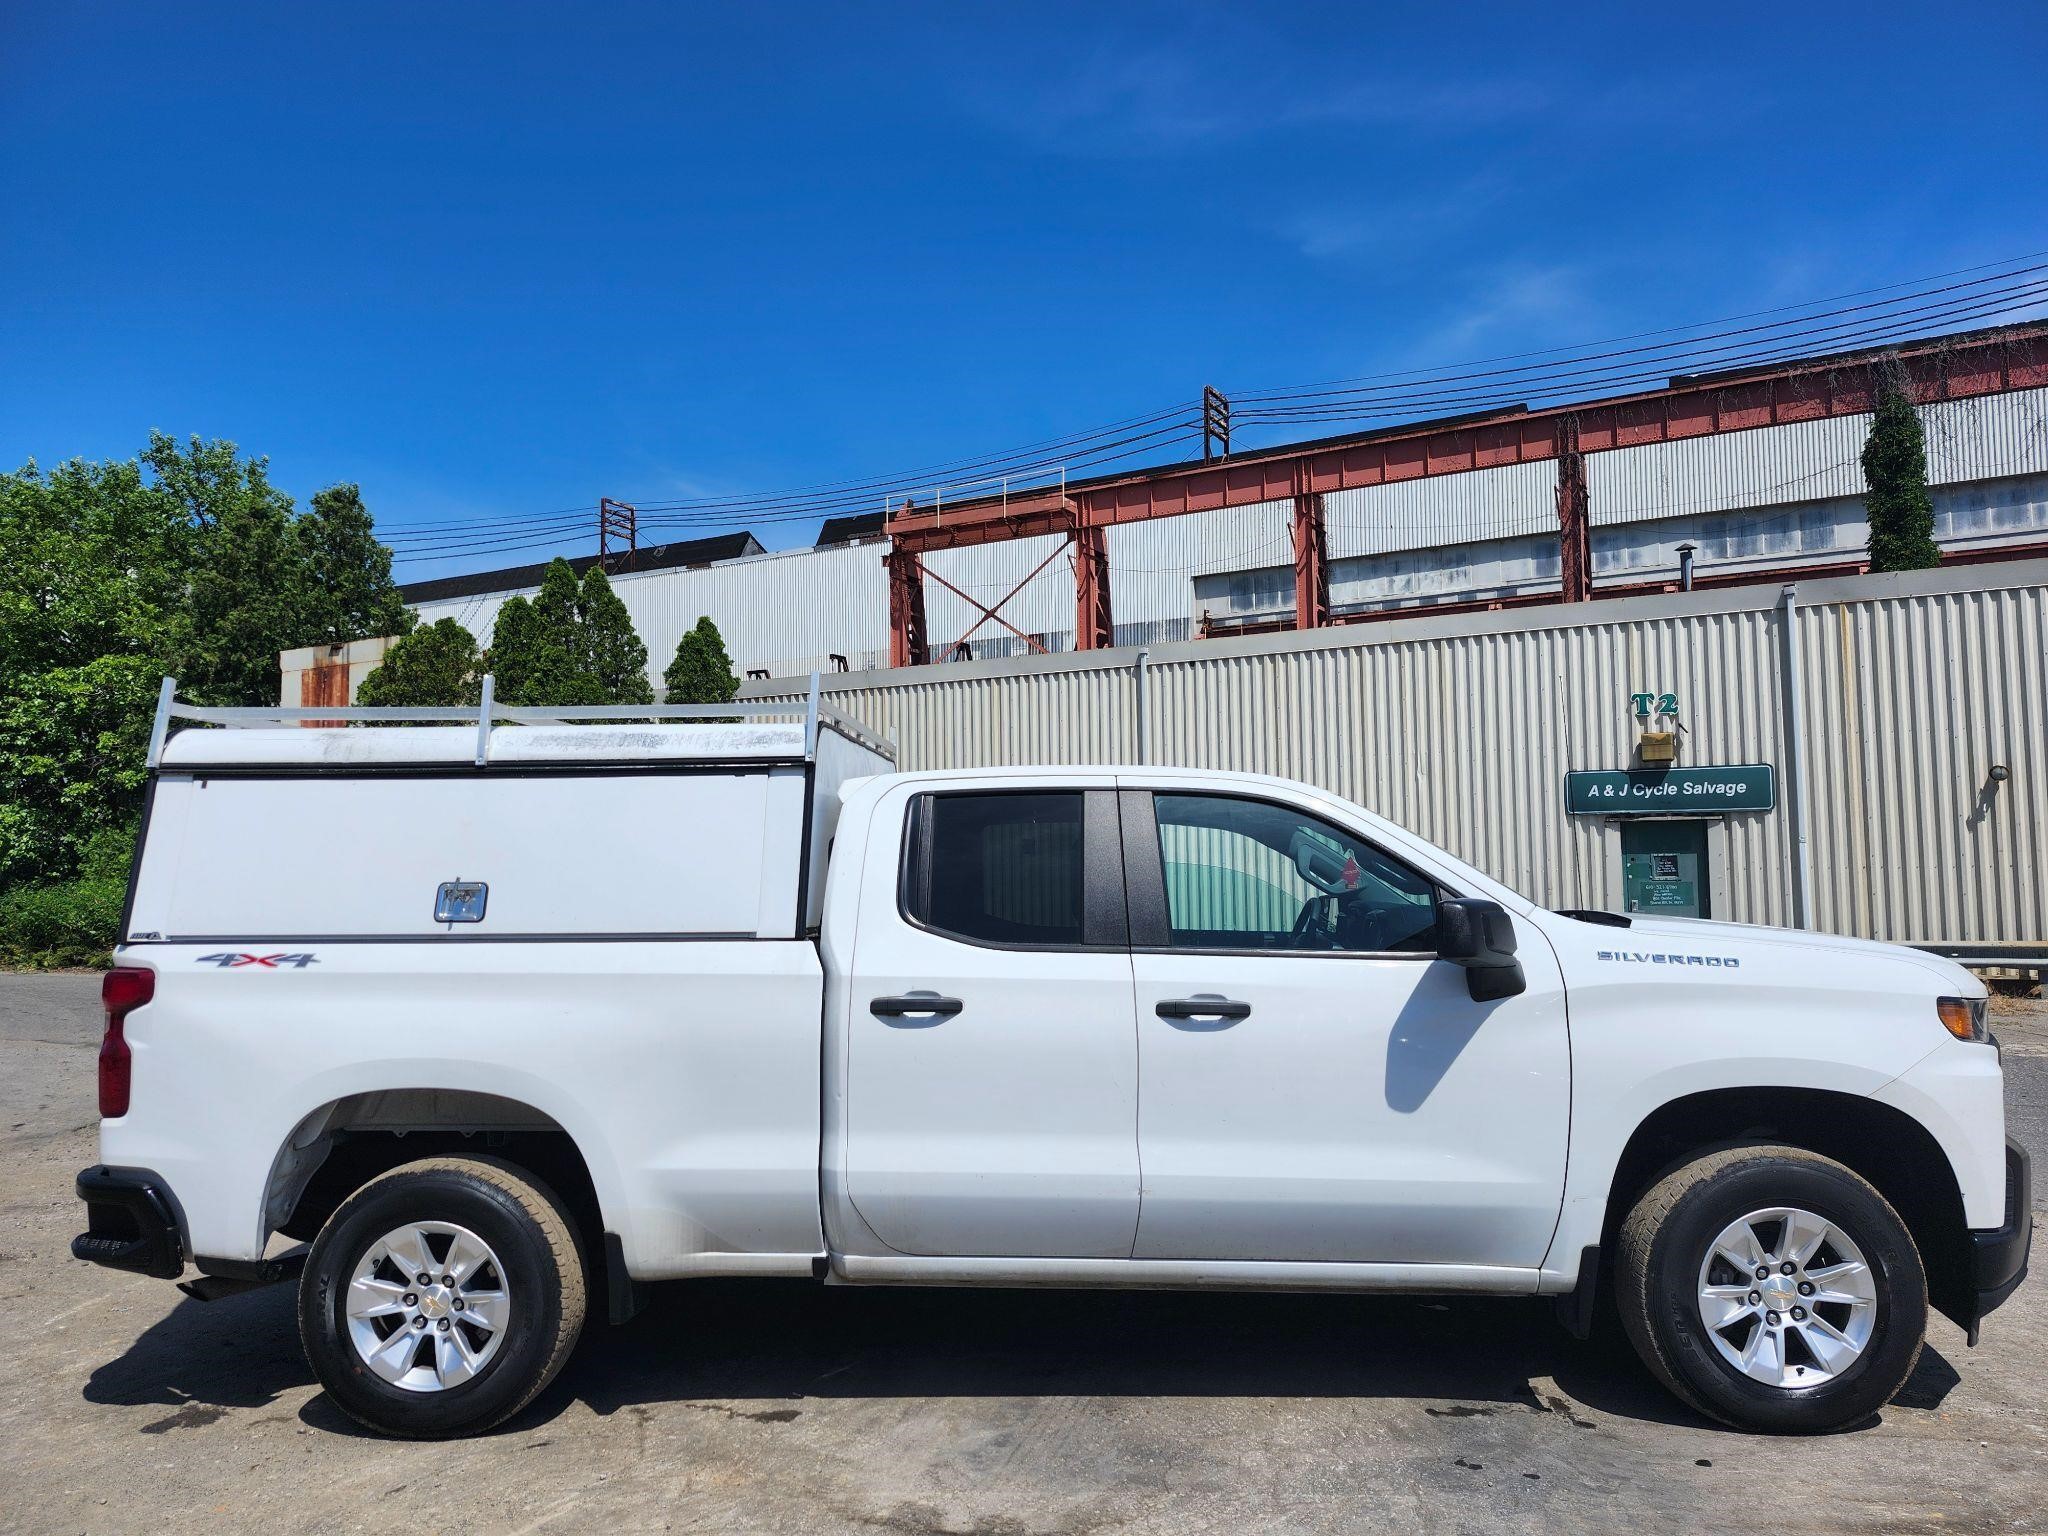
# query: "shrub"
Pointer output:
{"type": "Point", "coordinates": [71, 923]}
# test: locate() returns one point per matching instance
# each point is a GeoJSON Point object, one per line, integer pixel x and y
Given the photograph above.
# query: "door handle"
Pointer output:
{"type": "Point", "coordinates": [914, 1002]}
{"type": "Point", "coordinates": [1203, 1005]}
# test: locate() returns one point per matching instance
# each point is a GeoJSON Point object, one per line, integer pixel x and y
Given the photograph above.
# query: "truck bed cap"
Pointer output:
{"type": "Point", "coordinates": [338, 747]}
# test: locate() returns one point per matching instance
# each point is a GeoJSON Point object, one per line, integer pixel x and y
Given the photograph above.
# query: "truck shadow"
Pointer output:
{"type": "Point", "coordinates": [767, 1347]}
{"type": "Point", "coordinates": [764, 1347]}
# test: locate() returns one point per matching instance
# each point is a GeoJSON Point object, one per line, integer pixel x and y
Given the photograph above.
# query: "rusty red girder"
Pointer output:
{"type": "Point", "coordinates": [909, 645]}
{"type": "Point", "coordinates": [1311, 563]}
{"type": "Point", "coordinates": [2014, 357]}
{"type": "Point", "coordinates": [1094, 625]}
{"type": "Point", "coordinates": [1574, 513]}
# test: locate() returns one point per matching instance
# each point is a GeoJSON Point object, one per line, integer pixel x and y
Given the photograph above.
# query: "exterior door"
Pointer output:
{"type": "Point", "coordinates": [992, 1053]}
{"type": "Point", "coordinates": [1314, 1085]}
{"type": "Point", "coordinates": [1664, 867]}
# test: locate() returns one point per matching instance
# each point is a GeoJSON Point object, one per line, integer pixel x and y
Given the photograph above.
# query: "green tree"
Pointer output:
{"type": "Point", "coordinates": [433, 667]}
{"type": "Point", "coordinates": [348, 591]}
{"type": "Point", "coordinates": [571, 644]}
{"type": "Point", "coordinates": [246, 593]}
{"type": "Point", "coordinates": [93, 572]}
{"type": "Point", "coordinates": [1895, 465]}
{"type": "Point", "coordinates": [186, 562]}
{"type": "Point", "coordinates": [702, 671]}
{"type": "Point", "coordinates": [616, 656]}
{"type": "Point", "coordinates": [536, 647]}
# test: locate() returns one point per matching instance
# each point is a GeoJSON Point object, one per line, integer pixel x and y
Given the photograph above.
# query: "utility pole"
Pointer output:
{"type": "Point", "coordinates": [617, 523]}
{"type": "Point", "coordinates": [1215, 423]}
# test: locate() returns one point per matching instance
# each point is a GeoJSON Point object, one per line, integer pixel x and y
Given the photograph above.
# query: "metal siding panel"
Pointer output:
{"type": "Point", "coordinates": [1767, 466]}
{"type": "Point", "coordinates": [1909, 703]}
{"type": "Point", "coordinates": [1985, 437]}
{"type": "Point", "coordinates": [1153, 563]}
{"type": "Point", "coordinates": [1467, 508]}
{"type": "Point", "coordinates": [987, 573]}
{"type": "Point", "coordinates": [786, 612]}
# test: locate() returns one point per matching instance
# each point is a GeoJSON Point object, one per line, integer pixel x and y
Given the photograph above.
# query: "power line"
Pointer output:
{"type": "Point", "coordinates": [1692, 352]}
{"type": "Point", "coordinates": [1990, 289]}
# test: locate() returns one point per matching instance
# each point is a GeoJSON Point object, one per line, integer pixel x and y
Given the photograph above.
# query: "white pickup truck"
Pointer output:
{"type": "Point", "coordinates": [509, 1019]}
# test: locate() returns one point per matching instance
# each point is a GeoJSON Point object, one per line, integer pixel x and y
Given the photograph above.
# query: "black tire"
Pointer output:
{"type": "Point", "coordinates": [1664, 1243]}
{"type": "Point", "coordinates": [543, 1277]}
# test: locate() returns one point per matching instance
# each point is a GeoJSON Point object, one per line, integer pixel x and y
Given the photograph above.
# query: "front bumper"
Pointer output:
{"type": "Point", "coordinates": [1998, 1258]}
{"type": "Point", "coordinates": [132, 1222]}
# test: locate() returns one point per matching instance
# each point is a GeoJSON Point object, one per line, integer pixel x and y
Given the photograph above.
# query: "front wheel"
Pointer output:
{"type": "Point", "coordinates": [442, 1297]}
{"type": "Point", "coordinates": [1772, 1289]}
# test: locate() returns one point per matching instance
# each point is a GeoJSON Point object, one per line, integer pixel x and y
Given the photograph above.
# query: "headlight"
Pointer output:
{"type": "Point", "coordinates": [1963, 1017]}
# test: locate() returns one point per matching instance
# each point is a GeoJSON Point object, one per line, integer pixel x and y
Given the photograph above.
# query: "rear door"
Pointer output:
{"type": "Point", "coordinates": [992, 1050]}
{"type": "Point", "coordinates": [1314, 1084]}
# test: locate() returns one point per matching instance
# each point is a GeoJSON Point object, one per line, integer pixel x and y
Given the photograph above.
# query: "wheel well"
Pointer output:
{"type": "Point", "coordinates": [343, 1145]}
{"type": "Point", "coordinates": [1888, 1147]}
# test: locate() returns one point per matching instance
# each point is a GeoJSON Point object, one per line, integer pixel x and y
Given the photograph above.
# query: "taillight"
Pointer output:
{"type": "Point", "coordinates": [125, 989]}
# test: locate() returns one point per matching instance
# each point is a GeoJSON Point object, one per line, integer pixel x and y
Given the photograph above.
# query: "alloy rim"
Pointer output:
{"type": "Point", "coordinates": [1787, 1297]}
{"type": "Point", "coordinates": [428, 1306]}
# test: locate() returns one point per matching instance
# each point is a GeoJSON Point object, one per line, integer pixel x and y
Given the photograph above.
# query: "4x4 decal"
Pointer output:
{"type": "Point", "coordinates": [232, 961]}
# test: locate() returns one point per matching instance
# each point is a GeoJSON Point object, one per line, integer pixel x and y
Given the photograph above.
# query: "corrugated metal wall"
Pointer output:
{"type": "Point", "coordinates": [1909, 704]}
{"type": "Point", "coordinates": [1483, 504]}
{"type": "Point", "coordinates": [786, 612]}
{"type": "Point", "coordinates": [1986, 437]}
{"type": "Point", "coordinates": [1463, 727]}
{"type": "Point", "coordinates": [986, 573]}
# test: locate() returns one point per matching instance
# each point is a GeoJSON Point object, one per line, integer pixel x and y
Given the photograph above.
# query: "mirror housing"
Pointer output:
{"type": "Point", "coordinates": [1480, 936]}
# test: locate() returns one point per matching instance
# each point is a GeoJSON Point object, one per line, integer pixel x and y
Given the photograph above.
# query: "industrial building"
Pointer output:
{"type": "Point", "coordinates": [1622, 654]}
{"type": "Point", "coordinates": [1749, 476]}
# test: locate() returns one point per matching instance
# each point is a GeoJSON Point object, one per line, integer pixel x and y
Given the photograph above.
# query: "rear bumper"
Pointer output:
{"type": "Point", "coordinates": [1999, 1257]}
{"type": "Point", "coordinates": [131, 1222]}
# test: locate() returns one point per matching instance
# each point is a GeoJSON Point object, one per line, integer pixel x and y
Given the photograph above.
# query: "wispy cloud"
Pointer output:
{"type": "Point", "coordinates": [1394, 224]}
{"type": "Point", "coordinates": [1148, 99]}
{"type": "Point", "coordinates": [1511, 304]}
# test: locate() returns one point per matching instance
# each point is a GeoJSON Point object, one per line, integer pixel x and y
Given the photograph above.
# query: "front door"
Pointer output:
{"type": "Point", "coordinates": [992, 1056]}
{"type": "Point", "coordinates": [1664, 867]}
{"type": "Point", "coordinates": [1314, 1084]}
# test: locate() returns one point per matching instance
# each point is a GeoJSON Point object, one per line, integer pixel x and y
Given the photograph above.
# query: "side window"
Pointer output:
{"type": "Point", "coordinates": [998, 868]}
{"type": "Point", "coordinates": [1243, 874]}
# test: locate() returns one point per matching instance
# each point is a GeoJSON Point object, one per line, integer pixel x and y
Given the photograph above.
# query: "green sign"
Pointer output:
{"type": "Point", "coordinates": [1671, 791]}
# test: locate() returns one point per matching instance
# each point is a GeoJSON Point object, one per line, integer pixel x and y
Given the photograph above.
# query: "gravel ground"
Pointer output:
{"type": "Point", "coordinates": [793, 1408]}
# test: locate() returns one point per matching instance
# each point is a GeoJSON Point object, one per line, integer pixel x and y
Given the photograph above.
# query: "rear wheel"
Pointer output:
{"type": "Point", "coordinates": [442, 1297]}
{"type": "Point", "coordinates": [1773, 1289]}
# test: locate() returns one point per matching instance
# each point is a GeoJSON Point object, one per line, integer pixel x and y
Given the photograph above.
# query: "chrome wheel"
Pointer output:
{"type": "Point", "coordinates": [428, 1306]}
{"type": "Point", "coordinates": [1787, 1297]}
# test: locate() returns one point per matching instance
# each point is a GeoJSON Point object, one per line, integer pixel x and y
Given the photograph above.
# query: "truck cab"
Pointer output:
{"type": "Point", "coordinates": [503, 1020]}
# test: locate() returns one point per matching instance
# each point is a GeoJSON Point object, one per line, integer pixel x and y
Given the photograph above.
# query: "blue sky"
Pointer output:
{"type": "Point", "coordinates": [496, 260]}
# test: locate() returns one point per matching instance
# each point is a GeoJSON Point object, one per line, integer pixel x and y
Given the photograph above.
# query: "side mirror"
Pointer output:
{"type": "Point", "coordinates": [1480, 936]}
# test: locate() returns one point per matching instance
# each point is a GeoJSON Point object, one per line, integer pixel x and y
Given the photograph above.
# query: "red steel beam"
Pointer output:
{"type": "Point", "coordinates": [1574, 513]}
{"type": "Point", "coordinates": [1094, 626]}
{"type": "Point", "coordinates": [1944, 368]}
{"type": "Point", "coordinates": [909, 643]}
{"type": "Point", "coordinates": [1311, 563]}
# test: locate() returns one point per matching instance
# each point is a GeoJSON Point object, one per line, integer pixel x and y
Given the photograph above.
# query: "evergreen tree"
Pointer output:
{"type": "Point", "coordinates": [701, 672]}
{"type": "Point", "coordinates": [349, 593]}
{"type": "Point", "coordinates": [1895, 465]}
{"type": "Point", "coordinates": [572, 644]}
{"type": "Point", "coordinates": [616, 656]}
{"type": "Point", "coordinates": [517, 656]}
{"type": "Point", "coordinates": [434, 667]}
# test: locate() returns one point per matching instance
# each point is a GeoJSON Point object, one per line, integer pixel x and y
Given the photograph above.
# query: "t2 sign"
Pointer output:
{"type": "Point", "coordinates": [1671, 791]}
